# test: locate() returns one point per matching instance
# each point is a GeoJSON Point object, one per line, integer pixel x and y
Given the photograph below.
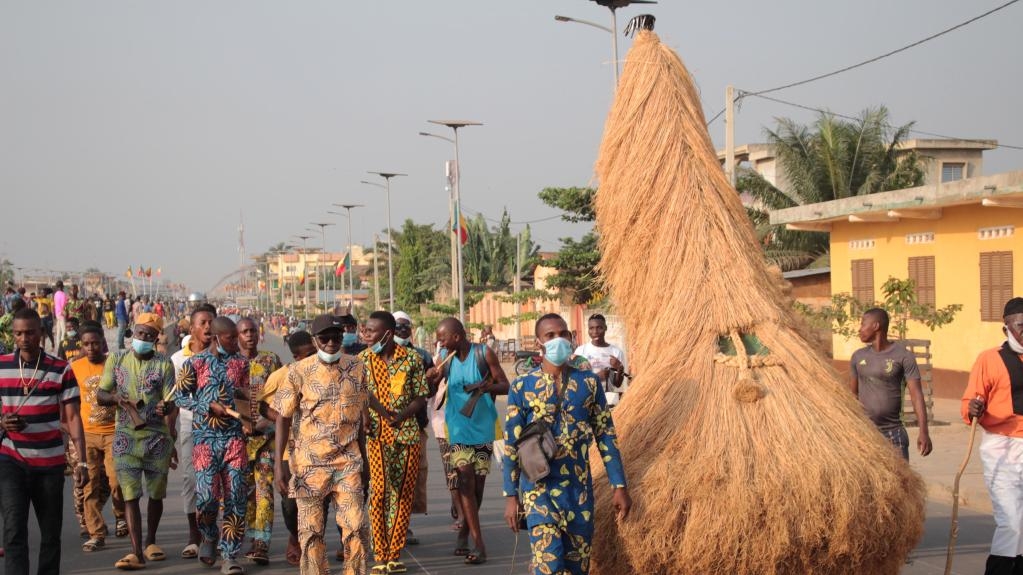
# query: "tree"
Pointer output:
{"type": "Point", "coordinates": [422, 263]}
{"type": "Point", "coordinates": [831, 159]}
{"type": "Point", "coordinates": [577, 260]}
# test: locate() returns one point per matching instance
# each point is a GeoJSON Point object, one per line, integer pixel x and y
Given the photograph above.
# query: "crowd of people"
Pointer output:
{"type": "Point", "coordinates": [347, 421]}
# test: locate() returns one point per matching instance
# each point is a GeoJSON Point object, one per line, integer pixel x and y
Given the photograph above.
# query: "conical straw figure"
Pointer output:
{"type": "Point", "coordinates": [744, 453]}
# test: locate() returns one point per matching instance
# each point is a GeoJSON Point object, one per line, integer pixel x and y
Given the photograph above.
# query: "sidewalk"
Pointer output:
{"type": "Point", "coordinates": [950, 437]}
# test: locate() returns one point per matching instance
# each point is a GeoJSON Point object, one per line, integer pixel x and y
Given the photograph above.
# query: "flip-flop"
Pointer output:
{"type": "Point", "coordinates": [396, 567]}
{"type": "Point", "coordinates": [462, 547]}
{"type": "Point", "coordinates": [93, 544]}
{"type": "Point", "coordinates": [191, 551]}
{"type": "Point", "coordinates": [379, 569]}
{"type": "Point", "coordinates": [293, 555]}
{"type": "Point", "coordinates": [476, 557]}
{"type": "Point", "coordinates": [154, 553]}
{"type": "Point", "coordinates": [207, 554]}
{"type": "Point", "coordinates": [129, 562]}
{"type": "Point", "coordinates": [231, 567]}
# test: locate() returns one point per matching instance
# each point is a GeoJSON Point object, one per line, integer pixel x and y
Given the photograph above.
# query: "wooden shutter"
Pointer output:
{"type": "Point", "coordinates": [921, 271]}
{"type": "Point", "coordinates": [995, 284]}
{"type": "Point", "coordinates": [863, 281]}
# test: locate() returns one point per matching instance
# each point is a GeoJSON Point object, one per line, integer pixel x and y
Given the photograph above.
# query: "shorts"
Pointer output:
{"type": "Point", "coordinates": [462, 455]}
{"type": "Point", "coordinates": [147, 455]}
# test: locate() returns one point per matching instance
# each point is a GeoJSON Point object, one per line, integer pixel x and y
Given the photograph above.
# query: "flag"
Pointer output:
{"type": "Point", "coordinates": [343, 265]}
{"type": "Point", "coordinates": [149, 272]}
{"type": "Point", "coordinates": [262, 285]}
{"type": "Point", "coordinates": [301, 279]}
{"type": "Point", "coordinates": [127, 274]}
{"type": "Point", "coordinates": [159, 271]}
{"type": "Point", "coordinates": [462, 229]}
{"type": "Point", "coordinates": [141, 272]}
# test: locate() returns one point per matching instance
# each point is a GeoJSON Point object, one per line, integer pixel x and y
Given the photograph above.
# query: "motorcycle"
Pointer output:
{"type": "Point", "coordinates": [526, 361]}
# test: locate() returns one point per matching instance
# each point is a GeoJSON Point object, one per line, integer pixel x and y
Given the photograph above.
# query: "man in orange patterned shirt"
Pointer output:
{"type": "Point", "coordinates": [327, 395]}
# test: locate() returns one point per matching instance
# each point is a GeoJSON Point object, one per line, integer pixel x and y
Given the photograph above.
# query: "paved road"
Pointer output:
{"type": "Point", "coordinates": [433, 555]}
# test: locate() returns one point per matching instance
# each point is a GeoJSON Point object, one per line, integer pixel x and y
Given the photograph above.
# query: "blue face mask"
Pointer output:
{"type": "Point", "coordinates": [142, 347]}
{"type": "Point", "coordinates": [328, 357]}
{"type": "Point", "coordinates": [349, 339]}
{"type": "Point", "coordinates": [379, 346]}
{"type": "Point", "coordinates": [220, 348]}
{"type": "Point", "coordinates": [557, 351]}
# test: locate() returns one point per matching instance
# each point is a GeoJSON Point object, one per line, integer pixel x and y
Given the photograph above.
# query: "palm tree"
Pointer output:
{"type": "Point", "coordinates": [833, 158]}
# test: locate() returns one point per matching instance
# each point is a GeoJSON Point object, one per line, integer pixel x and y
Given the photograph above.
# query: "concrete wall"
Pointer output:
{"type": "Point", "coordinates": [956, 248]}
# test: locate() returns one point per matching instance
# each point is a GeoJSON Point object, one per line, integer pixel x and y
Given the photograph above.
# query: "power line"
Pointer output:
{"type": "Point", "coordinates": [886, 54]}
{"type": "Point", "coordinates": [855, 119]}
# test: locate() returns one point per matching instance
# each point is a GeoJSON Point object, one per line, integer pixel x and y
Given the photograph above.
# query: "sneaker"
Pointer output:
{"type": "Point", "coordinates": [121, 528]}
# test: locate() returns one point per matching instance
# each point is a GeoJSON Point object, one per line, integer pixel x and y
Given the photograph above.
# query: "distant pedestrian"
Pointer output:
{"type": "Point", "coordinates": [59, 300]}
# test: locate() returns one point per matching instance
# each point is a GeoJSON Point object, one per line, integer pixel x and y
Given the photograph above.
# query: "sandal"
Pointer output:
{"type": "Point", "coordinates": [396, 567]}
{"type": "Point", "coordinates": [121, 528]}
{"type": "Point", "coordinates": [259, 553]}
{"type": "Point", "coordinates": [231, 567]}
{"type": "Point", "coordinates": [380, 569]}
{"type": "Point", "coordinates": [207, 554]}
{"type": "Point", "coordinates": [293, 555]}
{"type": "Point", "coordinates": [129, 562]}
{"type": "Point", "coordinates": [191, 551]}
{"type": "Point", "coordinates": [154, 553]}
{"type": "Point", "coordinates": [476, 557]}
{"type": "Point", "coordinates": [93, 544]}
{"type": "Point", "coordinates": [411, 539]}
{"type": "Point", "coordinates": [462, 547]}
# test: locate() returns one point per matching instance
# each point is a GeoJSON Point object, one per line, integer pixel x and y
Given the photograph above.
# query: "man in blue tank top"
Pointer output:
{"type": "Point", "coordinates": [474, 377]}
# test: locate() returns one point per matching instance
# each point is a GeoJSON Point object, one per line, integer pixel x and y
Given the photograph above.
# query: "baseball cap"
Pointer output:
{"type": "Point", "coordinates": [326, 322]}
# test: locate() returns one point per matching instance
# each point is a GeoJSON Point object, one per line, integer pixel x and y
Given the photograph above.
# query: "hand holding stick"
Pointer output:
{"type": "Point", "coordinates": [954, 530]}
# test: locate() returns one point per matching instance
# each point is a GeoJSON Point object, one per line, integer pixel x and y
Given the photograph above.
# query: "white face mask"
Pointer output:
{"type": "Point", "coordinates": [1014, 345]}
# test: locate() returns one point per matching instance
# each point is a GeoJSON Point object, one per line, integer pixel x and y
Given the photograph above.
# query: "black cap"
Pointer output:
{"type": "Point", "coordinates": [326, 322]}
{"type": "Point", "coordinates": [1013, 307]}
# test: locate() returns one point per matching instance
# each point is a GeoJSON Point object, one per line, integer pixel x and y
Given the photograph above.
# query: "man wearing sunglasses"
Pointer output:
{"type": "Point", "coordinates": [327, 396]}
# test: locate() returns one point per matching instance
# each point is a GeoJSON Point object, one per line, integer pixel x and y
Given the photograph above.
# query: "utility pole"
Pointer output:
{"type": "Point", "coordinates": [455, 232]}
{"type": "Point", "coordinates": [518, 287]}
{"type": "Point", "coordinates": [730, 134]}
{"type": "Point", "coordinates": [376, 261]}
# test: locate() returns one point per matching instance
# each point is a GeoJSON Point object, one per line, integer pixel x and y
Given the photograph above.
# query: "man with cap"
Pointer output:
{"type": "Point", "coordinates": [403, 337]}
{"type": "Point", "coordinates": [139, 382]}
{"type": "Point", "coordinates": [995, 395]}
{"type": "Point", "coordinates": [327, 396]}
{"type": "Point", "coordinates": [207, 385]}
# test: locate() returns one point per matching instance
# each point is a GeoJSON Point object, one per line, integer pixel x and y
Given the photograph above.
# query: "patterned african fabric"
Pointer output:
{"type": "Point", "coordinates": [260, 369]}
{"type": "Point", "coordinates": [559, 508]}
{"type": "Point", "coordinates": [205, 378]}
{"type": "Point", "coordinates": [393, 469]}
{"type": "Point", "coordinates": [77, 308]}
{"type": "Point", "coordinates": [220, 467]}
{"type": "Point", "coordinates": [395, 385]}
{"type": "Point", "coordinates": [259, 510]}
{"type": "Point", "coordinates": [327, 400]}
{"type": "Point", "coordinates": [346, 490]}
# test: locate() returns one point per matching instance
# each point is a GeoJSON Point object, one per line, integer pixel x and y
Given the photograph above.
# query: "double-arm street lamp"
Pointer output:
{"type": "Point", "coordinates": [351, 265]}
{"type": "Point", "coordinates": [323, 254]}
{"type": "Point", "coordinates": [390, 241]}
{"type": "Point", "coordinates": [613, 6]}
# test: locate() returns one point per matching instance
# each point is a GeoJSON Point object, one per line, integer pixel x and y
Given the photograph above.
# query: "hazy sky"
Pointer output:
{"type": "Point", "coordinates": [135, 132]}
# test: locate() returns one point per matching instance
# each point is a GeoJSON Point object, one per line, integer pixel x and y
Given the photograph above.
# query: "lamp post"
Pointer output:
{"type": "Point", "coordinates": [323, 255]}
{"type": "Point", "coordinates": [305, 283]}
{"type": "Point", "coordinates": [390, 241]}
{"type": "Point", "coordinates": [451, 215]}
{"type": "Point", "coordinates": [351, 264]}
{"type": "Point", "coordinates": [613, 6]}
{"type": "Point", "coordinates": [455, 125]}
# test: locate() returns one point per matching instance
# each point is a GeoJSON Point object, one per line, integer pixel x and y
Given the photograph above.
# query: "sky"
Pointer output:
{"type": "Point", "coordinates": [139, 133]}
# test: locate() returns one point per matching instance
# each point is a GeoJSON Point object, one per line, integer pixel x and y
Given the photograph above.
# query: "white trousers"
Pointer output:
{"type": "Point", "coordinates": [1002, 457]}
{"type": "Point", "coordinates": [185, 460]}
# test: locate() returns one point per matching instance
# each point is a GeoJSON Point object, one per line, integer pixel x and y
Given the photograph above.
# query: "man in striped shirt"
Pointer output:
{"type": "Point", "coordinates": [35, 387]}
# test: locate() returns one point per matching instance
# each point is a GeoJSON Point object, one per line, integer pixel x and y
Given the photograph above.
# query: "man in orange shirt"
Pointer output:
{"type": "Point", "coordinates": [995, 395]}
{"type": "Point", "coordinates": [98, 422]}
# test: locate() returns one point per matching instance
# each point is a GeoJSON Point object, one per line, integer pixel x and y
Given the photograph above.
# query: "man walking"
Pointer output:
{"type": "Point", "coordinates": [259, 514]}
{"type": "Point", "coordinates": [98, 423]}
{"type": "Point", "coordinates": [606, 359]}
{"type": "Point", "coordinates": [474, 376]}
{"type": "Point", "coordinates": [327, 396]}
{"type": "Point", "coordinates": [121, 313]}
{"type": "Point", "coordinates": [32, 450]}
{"type": "Point", "coordinates": [207, 386]}
{"type": "Point", "coordinates": [559, 507]}
{"type": "Point", "coordinates": [395, 378]}
{"type": "Point", "coordinates": [137, 383]}
{"type": "Point", "coordinates": [403, 338]}
{"type": "Point", "coordinates": [994, 395]}
{"type": "Point", "coordinates": [200, 335]}
{"type": "Point", "coordinates": [876, 375]}
{"type": "Point", "coordinates": [59, 301]}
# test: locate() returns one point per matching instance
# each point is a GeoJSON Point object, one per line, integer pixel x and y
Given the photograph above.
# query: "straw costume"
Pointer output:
{"type": "Point", "coordinates": [744, 452]}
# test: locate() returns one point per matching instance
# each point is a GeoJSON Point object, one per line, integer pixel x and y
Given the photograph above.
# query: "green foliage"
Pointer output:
{"type": "Point", "coordinates": [489, 256]}
{"type": "Point", "coordinates": [577, 260]}
{"type": "Point", "coordinates": [421, 263]}
{"type": "Point", "coordinates": [527, 295]}
{"type": "Point", "coordinates": [900, 301]}
{"type": "Point", "coordinates": [831, 159]}
{"type": "Point", "coordinates": [577, 203]}
{"type": "Point", "coordinates": [524, 316]}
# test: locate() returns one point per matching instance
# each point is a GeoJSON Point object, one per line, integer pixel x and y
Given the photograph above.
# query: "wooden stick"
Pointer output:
{"type": "Point", "coordinates": [954, 533]}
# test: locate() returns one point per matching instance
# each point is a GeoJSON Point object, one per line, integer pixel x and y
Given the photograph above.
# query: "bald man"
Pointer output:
{"type": "Point", "coordinates": [207, 386]}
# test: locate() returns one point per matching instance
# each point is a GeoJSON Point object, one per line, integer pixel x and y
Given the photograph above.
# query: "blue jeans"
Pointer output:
{"type": "Point", "coordinates": [20, 487]}
{"type": "Point", "coordinates": [122, 325]}
{"type": "Point", "coordinates": [899, 439]}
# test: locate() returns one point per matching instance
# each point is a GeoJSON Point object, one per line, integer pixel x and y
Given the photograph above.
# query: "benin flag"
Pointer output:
{"type": "Point", "coordinates": [462, 228]}
{"type": "Point", "coordinates": [149, 272]}
{"type": "Point", "coordinates": [343, 265]}
{"type": "Point", "coordinates": [301, 279]}
{"type": "Point", "coordinates": [142, 272]}
{"type": "Point", "coordinates": [127, 274]}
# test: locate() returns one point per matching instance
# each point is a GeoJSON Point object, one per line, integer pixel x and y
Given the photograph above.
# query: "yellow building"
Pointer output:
{"type": "Point", "coordinates": [956, 240]}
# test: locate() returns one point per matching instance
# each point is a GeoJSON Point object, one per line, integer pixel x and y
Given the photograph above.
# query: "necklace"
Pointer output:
{"type": "Point", "coordinates": [21, 372]}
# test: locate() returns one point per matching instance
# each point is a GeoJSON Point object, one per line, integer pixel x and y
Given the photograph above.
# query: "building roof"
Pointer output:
{"type": "Point", "coordinates": [923, 202]}
{"type": "Point", "coordinates": [805, 273]}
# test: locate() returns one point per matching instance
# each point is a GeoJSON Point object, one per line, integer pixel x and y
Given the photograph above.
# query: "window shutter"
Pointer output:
{"type": "Point", "coordinates": [863, 281]}
{"type": "Point", "coordinates": [921, 271]}
{"type": "Point", "coordinates": [995, 284]}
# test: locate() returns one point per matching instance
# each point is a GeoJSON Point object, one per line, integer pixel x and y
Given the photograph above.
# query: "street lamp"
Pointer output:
{"type": "Point", "coordinates": [390, 241]}
{"type": "Point", "coordinates": [611, 5]}
{"type": "Point", "coordinates": [305, 284]}
{"type": "Point", "coordinates": [351, 265]}
{"type": "Point", "coordinates": [323, 255]}
{"type": "Point", "coordinates": [456, 220]}
{"type": "Point", "coordinates": [451, 215]}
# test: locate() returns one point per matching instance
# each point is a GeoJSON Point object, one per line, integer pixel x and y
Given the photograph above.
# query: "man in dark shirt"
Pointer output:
{"type": "Point", "coordinates": [71, 345]}
{"type": "Point", "coordinates": [350, 335]}
{"type": "Point", "coordinates": [876, 375]}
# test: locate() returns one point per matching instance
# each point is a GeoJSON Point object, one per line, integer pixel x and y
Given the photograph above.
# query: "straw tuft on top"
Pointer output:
{"type": "Point", "coordinates": [744, 453]}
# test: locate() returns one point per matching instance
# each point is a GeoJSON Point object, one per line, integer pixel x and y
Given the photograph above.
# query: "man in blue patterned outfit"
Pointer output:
{"type": "Point", "coordinates": [559, 507]}
{"type": "Point", "coordinates": [207, 385]}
